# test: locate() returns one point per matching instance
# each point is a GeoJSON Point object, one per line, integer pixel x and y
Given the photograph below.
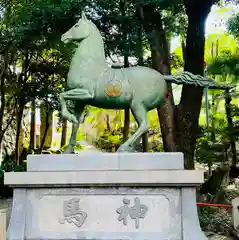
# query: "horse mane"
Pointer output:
{"type": "Point", "coordinates": [97, 35]}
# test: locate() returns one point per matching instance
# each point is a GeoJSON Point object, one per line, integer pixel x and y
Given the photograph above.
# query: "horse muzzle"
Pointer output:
{"type": "Point", "coordinates": [65, 39]}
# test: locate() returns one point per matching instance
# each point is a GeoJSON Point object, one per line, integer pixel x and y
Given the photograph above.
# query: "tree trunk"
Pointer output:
{"type": "Point", "coordinates": [2, 93]}
{"type": "Point", "coordinates": [190, 104]}
{"type": "Point", "coordinates": [18, 128]}
{"type": "Point", "coordinates": [228, 100]}
{"type": "Point", "coordinates": [46, 128]}
{"type": "Point", "coordinates": [153, 26]}
{"type": "Point", "coordinates": [33, 125]}
{"type": "Point", "coordinates": [140, 54]}
{"type": "Point", "coordinates": [126, 64]}
{"type": "Point", "coordinates": [21, 142]}
{"type": "Point", "coordinates": [63, 133]}
{"type": "Point", "coordinates": [107, 119]}
{"type": "Point", "coordinates": [46, 125]}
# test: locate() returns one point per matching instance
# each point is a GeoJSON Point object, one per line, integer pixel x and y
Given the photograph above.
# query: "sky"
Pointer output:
{"type": "Point", "coordinates": [216, 21]}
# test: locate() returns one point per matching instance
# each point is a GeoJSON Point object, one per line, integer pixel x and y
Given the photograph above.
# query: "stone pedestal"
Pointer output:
{"type": "Point", "coordinates": [108, 196]}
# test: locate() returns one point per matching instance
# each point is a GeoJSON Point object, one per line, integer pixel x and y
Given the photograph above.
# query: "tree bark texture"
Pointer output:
{"type": "Point", "coordinates": [228, 100]}
{"type": "Point", "coordinates": [63, 133]}
{"type": "Point", "coordinates": [190, 104]}
{"type": "Point", "coordinates": [145, 138]}
{"type": "Point", "coordinates": [126, 64]}
{"type": "Point", "coordinates": [19, 116]}
{"type": "Point", "coordinates": [33, 125]}
{"type": "Point", "coordinates": [153, 25]}
{"type": "Point", "coordinates": [43, 137]}
{"type": "Point", "coordinates": [46, 126]}
{"type": "Point", "coordinates": [2, 94]}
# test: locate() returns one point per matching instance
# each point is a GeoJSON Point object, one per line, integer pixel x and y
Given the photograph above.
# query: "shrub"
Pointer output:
{"type": "Point", "coordinates": [217, 220]}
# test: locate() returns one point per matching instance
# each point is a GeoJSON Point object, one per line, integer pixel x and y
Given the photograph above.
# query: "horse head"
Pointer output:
{"type": "Point", "coordinates": [79, 31]}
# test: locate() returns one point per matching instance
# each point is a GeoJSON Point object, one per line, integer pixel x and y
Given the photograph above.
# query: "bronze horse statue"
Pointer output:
{"type": "Point", "coordinates": [91, 81]}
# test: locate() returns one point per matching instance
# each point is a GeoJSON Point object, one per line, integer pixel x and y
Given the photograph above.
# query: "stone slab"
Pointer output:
{"type": "Point", "coordinates": [16, 227]}
{"type": "Point", "coordinates": [105, 161]}
{"type": "Point", "coordinates": [190, 222]}
{"type": "Point", "coordinates": [45, 214]}
{"type": "Point", "coordinates": [105, 178]}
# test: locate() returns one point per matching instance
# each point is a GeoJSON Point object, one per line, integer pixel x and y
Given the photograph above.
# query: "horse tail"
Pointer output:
{"type": "Point", "coordinates": [192, 79]}
{"type": "Point", "coordinates": [185, 77]}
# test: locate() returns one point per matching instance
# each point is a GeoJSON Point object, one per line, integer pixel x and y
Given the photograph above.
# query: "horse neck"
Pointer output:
{"type": "Point", "coordinates": [91, 48]}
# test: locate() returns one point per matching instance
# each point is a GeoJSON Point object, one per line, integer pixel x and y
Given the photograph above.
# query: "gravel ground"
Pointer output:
{"type": "Point", "coordinates": [219, 237]}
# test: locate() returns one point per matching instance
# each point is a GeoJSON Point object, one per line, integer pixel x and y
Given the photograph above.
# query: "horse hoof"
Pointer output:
{"type": "Point", "coordinates": [68, 150]}
{"type": "Point", "coordinates": [126, 149]}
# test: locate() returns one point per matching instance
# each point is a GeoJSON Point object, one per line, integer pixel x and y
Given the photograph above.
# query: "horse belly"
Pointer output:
{"type": "Point", "coordinates": [112, 102]}
{"type": "Point", "coordinates": [112, 97]}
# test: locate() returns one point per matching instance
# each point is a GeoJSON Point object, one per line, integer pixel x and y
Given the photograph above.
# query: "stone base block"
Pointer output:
{"type": "Point", "coordinates": [66, 206]}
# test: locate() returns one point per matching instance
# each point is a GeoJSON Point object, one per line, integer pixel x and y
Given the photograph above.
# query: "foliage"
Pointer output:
{"type": "Point", "coordinates": [110, 141]}
{"type": "Point", "coordinates": [225, 65]}
{"type": "Point", "coordinates": [9, 165]}
{"type": "Point", "coordinates": [214, 219]}
{"type": "Point", "coordinates": [233, 25]}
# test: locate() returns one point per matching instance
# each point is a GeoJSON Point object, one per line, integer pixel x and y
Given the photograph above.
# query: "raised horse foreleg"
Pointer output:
{"type": "Point", "coordinates": [77, 94]}
{"type": "Point", "coordinates": [140, 115]}
{"type": "Point", "coordinates": [72, 143]}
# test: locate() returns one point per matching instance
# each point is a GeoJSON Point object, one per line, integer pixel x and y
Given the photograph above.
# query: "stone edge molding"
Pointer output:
{"type": "Point", "coordinates": [105, 161]}
{"type": "Point", "coordinates": [106, 178]}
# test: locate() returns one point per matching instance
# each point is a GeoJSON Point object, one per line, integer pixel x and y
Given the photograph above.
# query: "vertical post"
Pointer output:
{"type": "Point", "coordinates": [206, 98]}
{"type": "Point", "coordinates": [3, 226]}
{"type": "Point", "coordinates": [207, 107]}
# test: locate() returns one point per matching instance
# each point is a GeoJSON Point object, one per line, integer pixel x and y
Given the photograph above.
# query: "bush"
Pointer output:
{"type": "Point", "coordinates": [217, 220]}
{"type": "Point", "coordinates": [9, 165]}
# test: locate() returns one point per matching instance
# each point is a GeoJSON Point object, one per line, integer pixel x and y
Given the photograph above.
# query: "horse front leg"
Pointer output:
{"type": "Point", "coordinates": [74, 95]}
{"type": "Point", "coordinates": [140, 115]}
{"type": "Point", "coordinates": [72, 143]}
{"type": "Point", "coordinates": [64, 111]}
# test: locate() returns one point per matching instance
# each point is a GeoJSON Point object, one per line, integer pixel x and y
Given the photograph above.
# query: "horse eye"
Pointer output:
{"type": "Point", "coordinates": [76, 25]}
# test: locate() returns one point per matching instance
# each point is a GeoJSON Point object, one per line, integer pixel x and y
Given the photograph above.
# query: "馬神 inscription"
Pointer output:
{"type": "Point", "coordinates": [135, 212]}
{"type": "Point", "coordinates": [72, 213]}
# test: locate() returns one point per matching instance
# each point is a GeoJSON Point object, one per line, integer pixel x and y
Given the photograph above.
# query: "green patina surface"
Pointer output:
{"type": "Point", "coordinates": [91, 81]}
{"type": "Point", "coordinates": [196, 80]}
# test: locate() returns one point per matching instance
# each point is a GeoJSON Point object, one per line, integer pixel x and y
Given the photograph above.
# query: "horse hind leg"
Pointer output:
{"type": "Point", "coordinates": [72, 143]}
{"type": "Point", "coordinates": [140, 114]}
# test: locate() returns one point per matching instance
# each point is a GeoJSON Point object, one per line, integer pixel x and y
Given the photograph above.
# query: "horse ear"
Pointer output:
{"type": "Point", "coordinates": [83, 16]}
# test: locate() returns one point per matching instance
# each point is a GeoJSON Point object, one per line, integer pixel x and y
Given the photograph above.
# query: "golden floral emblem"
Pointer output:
{"type": "Point", "coordinates": [113, 89]}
